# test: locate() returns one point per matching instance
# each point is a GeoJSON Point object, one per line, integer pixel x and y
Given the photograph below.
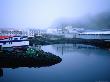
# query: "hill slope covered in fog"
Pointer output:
{"type": "Point", "coordinates": [100, 21]}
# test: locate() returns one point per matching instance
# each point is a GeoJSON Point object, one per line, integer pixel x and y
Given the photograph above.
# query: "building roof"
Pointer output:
{"type": "Point", "coordinates": [5, 37]}
{"type": "Point", "coordinates": [96, 32]}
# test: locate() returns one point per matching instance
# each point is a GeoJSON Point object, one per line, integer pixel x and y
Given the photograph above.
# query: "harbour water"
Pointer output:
{"type": "Point", "coordinates": [80, 63]}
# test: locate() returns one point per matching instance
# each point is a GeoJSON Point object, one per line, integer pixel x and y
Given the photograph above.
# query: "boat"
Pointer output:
{"type": "Point", "coordinates": [13, 41]}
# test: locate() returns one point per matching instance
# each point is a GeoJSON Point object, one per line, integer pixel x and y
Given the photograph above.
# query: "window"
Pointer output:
{"type": "Point", "coordinates": [4, 43]}
{"type": "Point", "coordinates": [21, 38]}
{"type": "Point", "coordinates": [10, 42]}
{"type": "Point", "coordinates": [15, 38]}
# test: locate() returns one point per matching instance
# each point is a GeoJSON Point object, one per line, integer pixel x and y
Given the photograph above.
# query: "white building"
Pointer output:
{"type": "Point", "coordinates": [23, 32]}
{"type": "Point", "coordinates": [70, 32]}
{"type": "Point", "coordinates": [11, 32]}
{"type": "Point", "coordinates": [51, 31]}
{"type": "Point", "coordinates": [35, 32]}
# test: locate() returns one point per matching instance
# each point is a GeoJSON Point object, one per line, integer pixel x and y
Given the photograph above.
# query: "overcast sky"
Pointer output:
{"type": "Point", "coordinates": [42, 13]}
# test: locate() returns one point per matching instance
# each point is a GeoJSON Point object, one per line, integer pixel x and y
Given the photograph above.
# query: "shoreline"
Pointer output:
{"type": "Point", "coordinates": [94, 42]}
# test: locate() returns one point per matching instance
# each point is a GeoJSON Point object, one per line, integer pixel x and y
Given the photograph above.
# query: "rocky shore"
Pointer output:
{"type": "Point", "coordinates": [16, 59]}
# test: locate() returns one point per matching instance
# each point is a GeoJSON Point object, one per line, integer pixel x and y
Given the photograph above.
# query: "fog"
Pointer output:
{"type": "Point", "coordinates": [49, 13]}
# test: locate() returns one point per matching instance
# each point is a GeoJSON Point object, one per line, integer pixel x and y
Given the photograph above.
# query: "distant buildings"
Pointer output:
{"type": "Point", "coordinates": [52, 31]}
{"type": "Point", "coordinates": [15, 32]}
{"type": "Point", "coordinates": [66, 32]}
{"type": "Point", "coordinates": [10, 32]}
{"type": "Point", "coordinates": [70, 32]}
{"type": "Point", "coordinates": [35, 32]}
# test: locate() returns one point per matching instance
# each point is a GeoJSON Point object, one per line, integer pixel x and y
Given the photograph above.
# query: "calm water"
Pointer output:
{"type": "Point", "coordinates": [80, 63]}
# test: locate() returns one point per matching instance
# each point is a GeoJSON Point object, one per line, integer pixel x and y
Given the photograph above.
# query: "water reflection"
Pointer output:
{"type": "Point", "coordinates": [1, 72]}
{"type": "Point", "coordinates": [71, 48]}
{"type": "Point", "coordinates": [80, 63]}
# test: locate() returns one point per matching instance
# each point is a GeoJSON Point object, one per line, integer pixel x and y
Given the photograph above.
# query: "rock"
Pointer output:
{"type": "Point", "coordinates": [21, 59]}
